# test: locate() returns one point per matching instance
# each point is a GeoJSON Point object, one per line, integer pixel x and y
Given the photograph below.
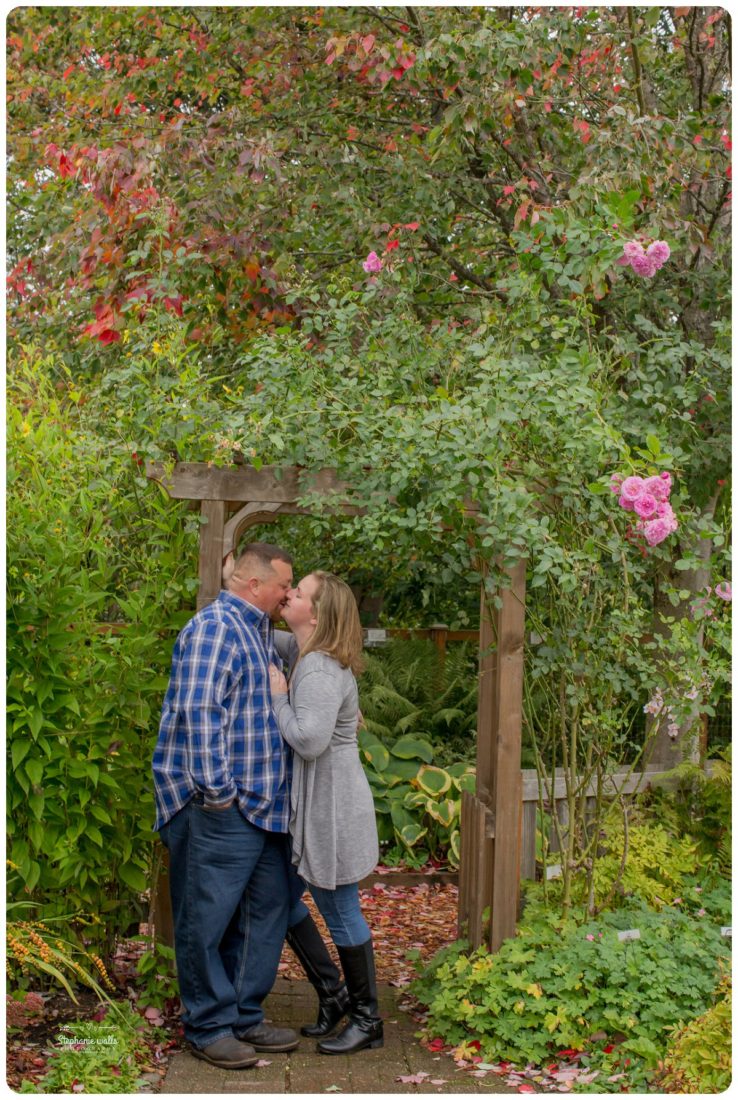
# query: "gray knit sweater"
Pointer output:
{"type": "Point", "coordinates": [334, 832]}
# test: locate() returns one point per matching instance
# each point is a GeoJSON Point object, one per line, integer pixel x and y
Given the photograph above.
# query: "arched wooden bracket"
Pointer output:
{"type": "Point", "coordinates": [247, 516]}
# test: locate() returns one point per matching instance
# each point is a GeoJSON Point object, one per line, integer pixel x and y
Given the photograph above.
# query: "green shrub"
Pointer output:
{"type": "Point", "coordinates": [699, 1055]}
{"type": "Point", "coordinates": [557, 983]}
{"type": "Point", "coordinates": [86, 546]}
{"type": "Point", "coordinates": [702, 806]}
{"type": "Point", "coordinates": [407, 689]}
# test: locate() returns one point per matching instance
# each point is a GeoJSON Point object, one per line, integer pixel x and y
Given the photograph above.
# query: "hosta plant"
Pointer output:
{"type": "Point", "coordinates": [418, 805]}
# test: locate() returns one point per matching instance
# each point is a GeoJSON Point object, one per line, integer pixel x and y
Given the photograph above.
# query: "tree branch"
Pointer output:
{"type": "Point", "coordinates": [460, 270]}
{"type": "Point", "coordinates": [636, 63]}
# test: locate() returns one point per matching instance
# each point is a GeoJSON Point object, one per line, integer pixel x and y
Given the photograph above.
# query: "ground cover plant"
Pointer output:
{"type": "Point", "coordinates": [558, 986]}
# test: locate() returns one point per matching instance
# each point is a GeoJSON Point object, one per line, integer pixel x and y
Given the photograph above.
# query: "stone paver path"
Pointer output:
{"type": "Point", "coordinates": [292, 1003]}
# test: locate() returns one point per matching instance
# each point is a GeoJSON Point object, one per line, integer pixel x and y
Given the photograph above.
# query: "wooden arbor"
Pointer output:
{"type": "Point", "coordinates": [233, 499]}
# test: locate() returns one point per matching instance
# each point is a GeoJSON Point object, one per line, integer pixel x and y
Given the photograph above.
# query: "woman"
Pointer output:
{"type": "Point", "coordinates": [334, 833]}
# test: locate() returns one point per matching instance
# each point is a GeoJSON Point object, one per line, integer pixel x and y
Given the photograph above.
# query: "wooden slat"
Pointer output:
{"type": "Point", "coordinates": [467, 799]}
{"type": "Point", "coordinates": [200, 481]}
{"type": "Point", "coordinates": [507, 785]}
{"type": "Point", "coordinates": [479, 899]}
{"type": "Point", "coordinates": [625, 782]}
{"type": "Point", "coordinates": [211, 551]}
{"type": "Point", "coordinates": [528, 841]}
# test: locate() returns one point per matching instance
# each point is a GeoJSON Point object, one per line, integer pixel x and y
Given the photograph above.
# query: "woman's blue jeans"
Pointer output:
{"type": "Point", "coordinates": [339, 908]}
{"type": "Point", "coordinates": [230, 902]}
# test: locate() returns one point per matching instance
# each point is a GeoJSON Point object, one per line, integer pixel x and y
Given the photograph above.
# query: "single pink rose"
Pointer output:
{"type": "Point", "coordinates": [657, 487]}
{"type": "Point", "coordinates": [644, 266]}
{"type": "Point", "coordinates": [645, 506]}
{"type": "Point", "coordinates": [656, 530]}
{"type": "Point", "coordinates": [372, 264]}
{"type": "Point", "coordinates": [626, 504]}
{"type": "Point", "coordinates": [724, 591]}
{"type": "Point", "coordinates": [658, 253]}
{"type": "Point", "coordinates": [632, 488]}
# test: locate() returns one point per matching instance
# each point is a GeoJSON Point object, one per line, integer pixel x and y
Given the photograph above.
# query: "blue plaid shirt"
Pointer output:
{"type": "Point", "coordinates": [218, 735]}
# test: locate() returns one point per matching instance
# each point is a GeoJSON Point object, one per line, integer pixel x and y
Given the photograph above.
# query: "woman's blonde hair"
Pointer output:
{"type": "Point", "coordinates": [338, 629]}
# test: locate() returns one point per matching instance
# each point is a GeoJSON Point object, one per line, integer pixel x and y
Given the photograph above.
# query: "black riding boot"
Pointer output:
{"type": "Point", "coordinates": [364, 1027]}
{"type": "Point", "coordinates": [307, 943]}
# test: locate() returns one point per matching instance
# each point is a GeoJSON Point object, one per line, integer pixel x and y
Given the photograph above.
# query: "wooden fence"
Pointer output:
{"type": "Point", "coordinates": [479, 835]}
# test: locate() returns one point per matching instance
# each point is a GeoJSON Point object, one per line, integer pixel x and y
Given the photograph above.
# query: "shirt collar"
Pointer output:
{"type": "Point", "coordinates": [254, 614]}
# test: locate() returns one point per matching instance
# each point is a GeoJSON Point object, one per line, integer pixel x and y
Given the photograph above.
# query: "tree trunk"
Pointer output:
{"type": "Point", "coordinates": [664, 752]}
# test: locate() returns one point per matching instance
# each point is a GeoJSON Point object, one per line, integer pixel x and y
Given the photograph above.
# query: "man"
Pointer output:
{"type": "Point", "coordinates": [221, 773]}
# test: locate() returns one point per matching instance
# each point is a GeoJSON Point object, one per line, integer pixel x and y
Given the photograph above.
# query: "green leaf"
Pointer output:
{"type": "Point", "coordinates": [433, 780]}
{"type": "Point", "coordinates": [134, 877]}
{"type": "Point", "coordinates": [413, 832]}
{"type": "Point", "coordinates": [653, 444]}
{"type": "Point", "coordinates": [19, 750]}
{"type": "Point", "coordinates": [409, 748]}
{"type": "Point", "coordinates": [377, 754]}
{"type": "Point", "coordinates": [34, 769]}
{"type": "Point", "coordinates": [445, 813]}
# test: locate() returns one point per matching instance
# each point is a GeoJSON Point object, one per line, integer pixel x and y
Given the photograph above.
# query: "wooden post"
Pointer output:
{"type": "Point", "coordinates": [438, 635]}
{"type": "Point", "coordinates": [487, 701]}
{"type": "Point", "coordinates": [163, 919]}
{"type": "Point", "coordinates": [211, 550]}
{"type": "Point", "coordinates": [504, 765]}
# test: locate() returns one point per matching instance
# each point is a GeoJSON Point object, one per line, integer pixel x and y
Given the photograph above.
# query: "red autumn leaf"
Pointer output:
{"type": "Point", "coordinates": [453, 277]}
{"type": "Point", "coordinates": [367, 43]}
{"type": "Point", "coordinates": [174, 305]}
{"type": "Point", "coordinates": [508, 190]}
{"type": "Point", "coordinates": [397, 73]}
{"type": "Point", "coordinates": [697, 139]}
{"type": "Point", "coordinates": [66, 72]}
{"type": "Point", "coordinates": [391, 245]}
{"type": "Point", "coordinates": [411, 225]}
{"type": "Point", "coordinates": [548, 106]}
{"type": "Point", "coordinates": [116, 111]}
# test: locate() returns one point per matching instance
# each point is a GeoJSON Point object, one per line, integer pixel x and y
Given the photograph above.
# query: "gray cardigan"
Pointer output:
{"type": "Point", "coordinates": [334, 831]}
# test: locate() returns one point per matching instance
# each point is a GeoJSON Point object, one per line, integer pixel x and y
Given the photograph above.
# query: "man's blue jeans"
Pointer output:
{"type": "Point", "coordinates": [230, 902]}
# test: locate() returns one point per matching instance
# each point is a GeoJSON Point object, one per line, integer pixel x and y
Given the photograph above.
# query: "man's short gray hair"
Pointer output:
{"type": "Point", "coordinates": [256, 557]}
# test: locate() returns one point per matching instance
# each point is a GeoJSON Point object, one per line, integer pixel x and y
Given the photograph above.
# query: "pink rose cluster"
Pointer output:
{"type": "Point", "coordinates": [648, 497]}
{"type": "Point", "coordinates": [644, 261]}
